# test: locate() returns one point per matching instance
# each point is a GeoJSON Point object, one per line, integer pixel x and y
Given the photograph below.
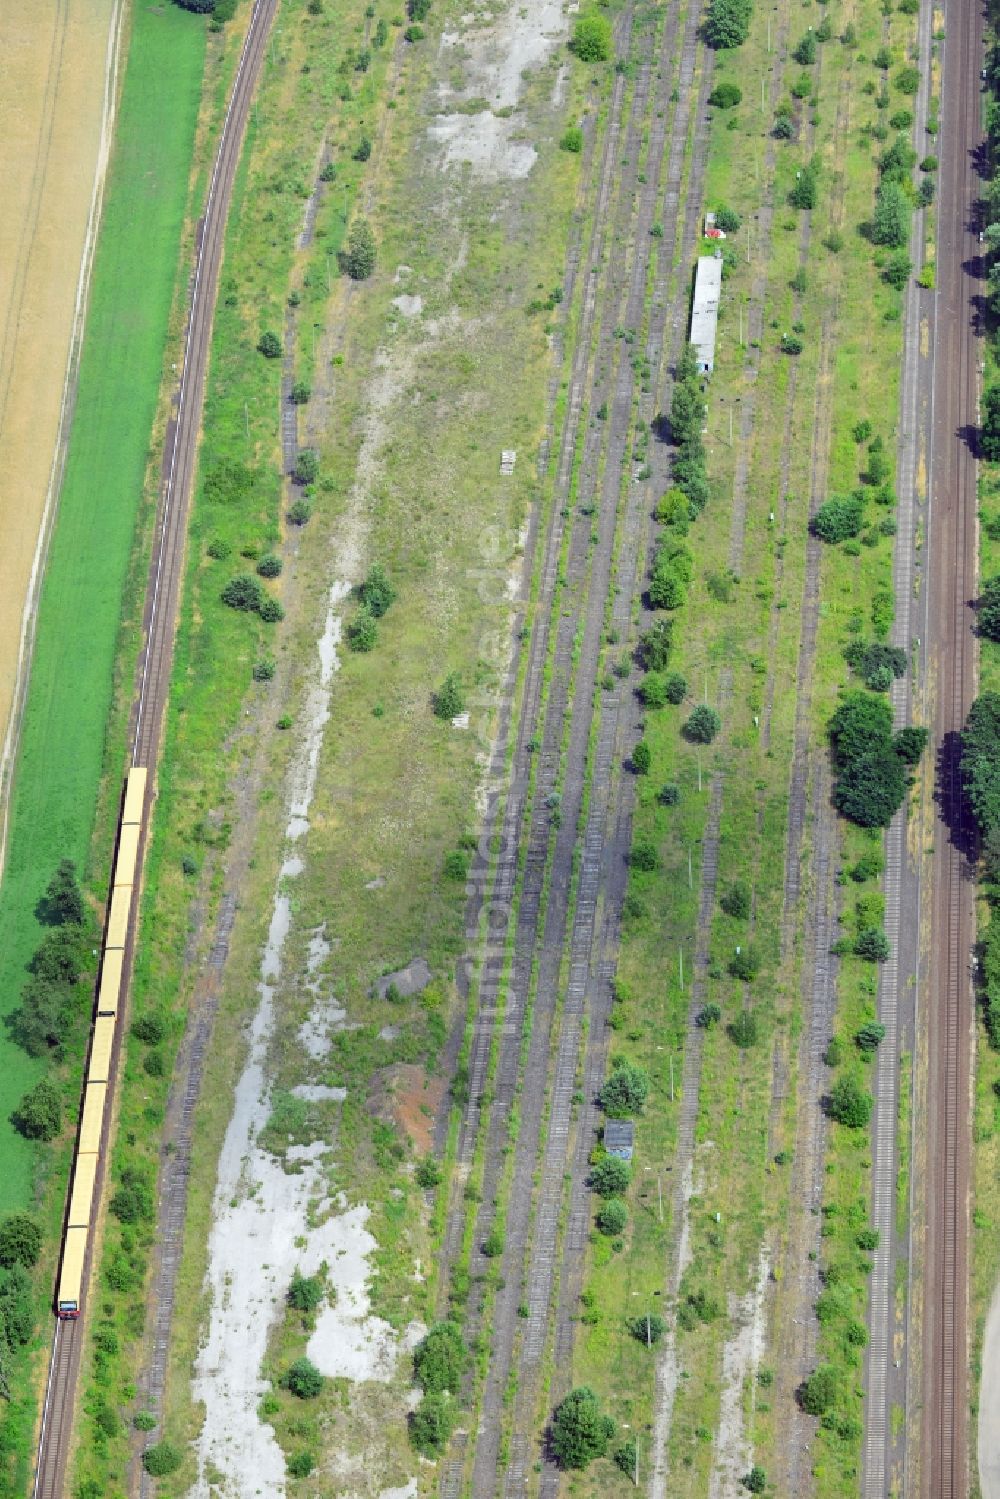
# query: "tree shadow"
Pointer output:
{"type": "Point", "coordinates": [949, 794]}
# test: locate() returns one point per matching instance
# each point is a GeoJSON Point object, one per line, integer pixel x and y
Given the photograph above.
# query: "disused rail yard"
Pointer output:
{"type": "Point", "coordinates": [493, 1187]}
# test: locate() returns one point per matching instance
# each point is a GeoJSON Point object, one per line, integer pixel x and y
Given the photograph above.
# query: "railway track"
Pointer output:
{"type": "Point", "coordinates": [156, 659]}
{"type": "Point", "coordinates": [952, 543]}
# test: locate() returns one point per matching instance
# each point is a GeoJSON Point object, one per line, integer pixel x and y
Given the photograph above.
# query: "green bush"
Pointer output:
{"type": "Point", "coordinates": [243, 592]}
{"type": "Point", "coordinates": [612, 1218]}
{"type": "Point", "coordinates": [303, 1379]}
{"type": "Point", "coordinates": [728, 23]}
{"type": "Point", "coordinates": [144, 1421]}
{"type": "Point", "coordinates": [269, 344]}
{"type": "Point", "coordinates": [305, 1292]}
{"type": "Point", "coordinates": [703, 725]}
{"type": "Point", "coordinates": [648, 1329]}
{"type": "Point", "coordinates": [572, 140]}
{"type": "Point", "coordinates": [362, 632]}
{"type": "Point", "coordinates": [745, 964]}
{"type": "Point", "coordinates": [579, 1431]}
{"type": "Point", "coordinates": [868, 1239]}
{"type": "Point", "coordinates": [907, 80]}
{"type": "Point", "coordinates": [655, 644]}
{"type": "Point", "coordinates": [838, 518]}
{"type": "Point", "coordinates": [726, 95]}
{"type": "Point", "coordinates": [494, 1242]}
{"type": "Point", "coordinates": [849, 1104]}
{"type": "Point", "coordinates": [870, 1036]}
{"type": "Point", "coordinates": [428, 1173]}
{"type": "Point", "coordinates": [154, 1064]}
{"type": "Point", "coordinates": [20, 1241]}
{"type": "Point", "coordinates": [591, 39]}
{"type": "Point", "coordinates": [133, 1202]}
{"type": "Point", "coordinates": [804, 52]}
{"type": "Point", "coordinates": [642, 758]}
{"type": "Point", "coordinates": [439, 1359]}
{"type": "Point", "coordinates": [449, 700]}
{"type": "Point", "coordinates": [431, 1424]}
{"type": "Point", "coordinates": [306, 467]}
{"type": "Point", "coordinates": [360, 255]}
{"type": "Point", "coordinates": [755, 1481]}
{"type": "Point", "coordinates": [708, 1016]}
{"type": "Point", "coordinates": [269, 566]}
{"type": "Point", "coordinates": [817, 1394]}
{"type": "Point", "coordinates": [643, 856]}
{"type": "Point", "coordinates": [653, 691]}
{"type": "Point", "coordinates": [376, 592]}
{"type": "Point", "coordinates": [271, 611]}
{"type": "Point", "coordinates": [301, 1465]}
{"type": "Point", "coordinates": [873, 944]}
{"type": "Point", "coordinates": [299, 512]}
{"type": "Point", "coordinates": [897, 270]}
{"type": "Point", "coordinates": [625, 1091]}
{"type": "Point", "coordinates": [675, 687]}
{"type": "Point", "coordinates": [744, 1031]}
{"type": "Point", "coordinates": [162, 1458]}
{"type": "Point", "coordinates": [39, 1114]}
{"type": "Point", "coordinates": [670, 794]}
{"type": "Point", "coordinates": [735, 900]}
{"type": "Point", "coordinates": [727, 219]}
{"type": "Point", "coordinates": [610, 1176]}
{"type": "Point", "coordinates": [301, 393]}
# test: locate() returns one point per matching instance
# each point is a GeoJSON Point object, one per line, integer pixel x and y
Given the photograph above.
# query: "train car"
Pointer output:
{"type": "Point", "coordinates": [117, 927]}
{"type": "Point", "coordinates": [99, 1070]}
{"type": "Point", "coordinates": [128, 849]}
{"type": "Point", "coordinates": [109, 992]}
{"type": "Point", "coordinates": [135, 796]}
{"type": "Point", "coordinates": [71, 1273]}
{"type": "Point", "coordinates": [89, 1142]}
{"type": "Point", "coordinates": [82, 1197]}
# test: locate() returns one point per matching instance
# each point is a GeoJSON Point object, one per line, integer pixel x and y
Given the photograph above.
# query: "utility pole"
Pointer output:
{"type": "Point", "coordinates": [680, 961]}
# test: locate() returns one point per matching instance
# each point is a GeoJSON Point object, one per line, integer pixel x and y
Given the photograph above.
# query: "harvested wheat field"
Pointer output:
{"type": "Point", "coordinates": [57, 64]}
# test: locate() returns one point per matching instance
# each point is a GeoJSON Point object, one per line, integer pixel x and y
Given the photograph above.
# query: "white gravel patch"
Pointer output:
{"type": "Point", "coordinates": [495, 58]}
{"type": "Point", "coordinates": [348, 1343]}
{"type": "Point", "coordinates": [741, 1358]}
{"type": "Point", "coordinates": [408, 1491]}
{"type": "Point", "coordinates": [408, 306]}
{"type": "Point", "coordinates": [319, 1093]}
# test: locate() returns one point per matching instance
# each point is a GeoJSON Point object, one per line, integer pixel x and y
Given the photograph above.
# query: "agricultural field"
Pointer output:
{"type": "Point", "coordinates": [497, 798]}
{"type": "Point", "coordinates": [55, 127]}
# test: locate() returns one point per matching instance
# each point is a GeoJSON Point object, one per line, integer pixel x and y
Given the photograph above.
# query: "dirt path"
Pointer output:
{"type": "Point", "coordinates": [56, 107]}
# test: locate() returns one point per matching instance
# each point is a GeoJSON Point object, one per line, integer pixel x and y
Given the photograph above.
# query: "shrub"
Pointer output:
{"type": "Point", "coordinates": [271, 610]}
{"type": "Point", "coordinates": [612, 1218]}
{"type": "Point", "coordinates": [428, 1173]}
{"type": "Point", "coordinates": [655, 645]}
{"type": "Point", "coordinates": [703, 725]}
{"type": "Point", "coordinates": [819, 1391]}
{"type": "Point", "coordinates": [849, 1104]}
{"type": "Point", "coordinates": [263, 671]}
{"type": "Point", "coordinates": [363, 149]}
{"type": "Point", "coordinates": [726, 95]}
{"type": "Point", "coordinates": [154, 1064]}
{"type": "Point", "coordinates": [755, 1481]}
{"type": "Point", "coordinates": [299, 512]}
{"type": "Point", "coordinates": [873, 944]}
{"type": "Point", "coordinates": [805, 51]}
{"type": "Point", "coordinates": [439, 1359]}
{"type": "Point", "coordinates": [150, 1029]}
{"type": "Point", "coordinates": [783, 129]}
{"type": "Point", "coordinates": [133, 1201]}
{"type": "Point", "coordinates": [449, 700]}
{"type": "Point", "coordinates": [891, 222]}
{"type": "Point", "coordinates": [648, 1329]}
{"type": "Point", "coordinates": [643, 856]}
{"type": "Point", "coordinates": [670, 794]}
{"type": "Point", "coordinates": [39, 1114]}
{"type": "Point", "coordinates": [675, 687]}
{"type": "Point", "coordinates": [736, 901]}
{"type": "Point", "coordinates": [269, 344]}
{"type": "Point", "coordinates": [431, 1424]}
{"type": "Point", "coordinates": [625, 1091]}
{"type": "Point", "coordinates": [666, 588]}
{"type": "Point", "coordinates": [243, 592]}
{"type": "Point", "coordinates": [868, 1239]}
{"type": "Point", "coordinates": [727, 219]}
{"type": "Point", "coordinates": [745, 964]}
{"type": "Point", "coordinates": [579, 1431]}
{"type": "Point", "coordinates": [362, 632]}
{"type": "Point", "coordinates": [708, 1016]}
{"type": "Point", "coordinates": [653, 691]}
{"type": "Point", "coordinates": [413, 34]}
{"type": "Point", "coordinates": [144, 1421]}
{"type": "Point", "coordinates": [591, 39]}
{"type": "Point", "coordinates": [218, 549]}
{"type": "Point", "coordinates": [572, 140]}
{"type": "Point", "coordinates": [624, 1457]}
{"type": "Point", "coordinates": [870, 1036]}
{"type": "Point", "coordinates": [305, 1292]}
{"type": "Point", "coordinates": [301, 391]}
{"type": "Point", "coordinates": [907, 80]}
{"type": "Point", "coordinates": [610, 1176]}
{"type": "Point", "coordinates": [162, 1458]}
{"type": "Point", "coordinates": [494, 1242]}
{"type": "Point", "coordinates": [269, 566]}
{"type": "Point", "coordinates": [359, 258]}
{"type": "Point", "coordinates": [897, 269]}
{"type": "Point", "coordinates": [642, 758]}
{"type": "Point", "coordinates": [303, 1379]}
{"type": "Point", "coordinates": [744, 1031]}
{"type": "Point", "coordinates": [456, 866]}
{"type": "Point", "coordinates": [728, 23]}
{"type": "Point", "coordinates": [838, 518]}
{"type": "Point", "coordinates": [301, 1465]}
{"type": "Point", "coordinates": [20, 1241]}
{"type": "Point", "coordinates": [791, 343]}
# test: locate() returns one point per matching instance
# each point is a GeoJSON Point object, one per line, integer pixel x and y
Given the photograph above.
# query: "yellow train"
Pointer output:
{"type": "Point", "coordinates": [83, 1197]}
